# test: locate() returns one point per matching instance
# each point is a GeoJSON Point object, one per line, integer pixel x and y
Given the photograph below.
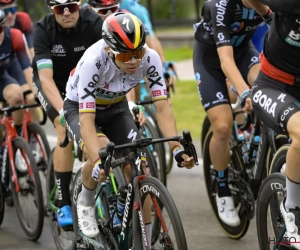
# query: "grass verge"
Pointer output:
{"type": "Point", "coordinates": [178, 54]}
{"type": "Point", "coordinates": [187, 108]}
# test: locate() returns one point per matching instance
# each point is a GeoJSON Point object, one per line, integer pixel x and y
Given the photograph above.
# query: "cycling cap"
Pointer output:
{"type": "Point", "coordinates": [123, 32]}
{"type": "Point", "coordinates": [6, 2]}
{"type": "Point", "coordinates": [2, 17]}
{"type": "Point", "coordinates": [102, 3]}
{"type": "Point", "coordinates": [58, 2]}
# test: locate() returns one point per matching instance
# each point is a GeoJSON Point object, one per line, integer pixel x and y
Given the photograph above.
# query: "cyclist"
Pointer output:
{"type": "Point", "coordinates": [60, 39]}
{"type": "Point", "coordinates": [15, 73]}
{"type": "Point", "coordinates": [19, 20]}
{"type": "Point", "coordinates": [276, 96]}
{"type": "Point", "coordinates": [223, 49]}
{"type": "Point", "coordinates": [106, 8]}
{"type": "Point", "coordinates": [96, 95]}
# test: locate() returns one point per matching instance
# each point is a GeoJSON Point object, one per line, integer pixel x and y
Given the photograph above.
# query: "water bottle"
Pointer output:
{"type": "Point", "coordinates": [254, 146]}
{"type": "Point", "coordinates": [118, 216]}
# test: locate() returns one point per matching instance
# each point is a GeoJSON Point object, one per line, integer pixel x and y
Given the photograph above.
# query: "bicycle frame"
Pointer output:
{"type": "Point", "coordinates": [267, 141]}
{"type": "Point", "coordinates": [11, 133]}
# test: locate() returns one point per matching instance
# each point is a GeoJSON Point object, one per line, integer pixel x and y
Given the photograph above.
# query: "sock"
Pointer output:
{"type": "Point", "coordinates": [148, 228]}
{"type": "Point", "coordinates": [87, 196]}
{"type": "Point", "coordinates": [293, 195]}
{"type": "Point", "coordinates": [19, 129]}
{"type": "Point", "coordinates": [222, 179]}
{"type": "Point", "coordinates": [63, 180]}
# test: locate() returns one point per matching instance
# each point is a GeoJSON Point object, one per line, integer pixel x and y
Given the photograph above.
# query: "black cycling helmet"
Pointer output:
{"type": "Point", "coordinates": [102, 3]}
{"type": "Point", "coordinates": [123, 32]}
{"type": "Point", "coordinates": [58, 2]}
{"type": "Point", "coordinates": [2, 18]}
{"type": "Point", "coordinates": [6, 2]}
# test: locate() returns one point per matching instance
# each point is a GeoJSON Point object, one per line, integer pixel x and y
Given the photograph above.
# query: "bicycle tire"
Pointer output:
{"type": "Point", "coordinates": [271, 185]}
{"type": "Point", "coordinates": [2, 206]}
{"type": "Point", "coordinates": [279, 159]}
{"type": "Point", "coordinates": [32, 234]}
{"type": "Point", "coordinates": [232, 232]}
{"type": "Point", "coordinates": [55, 230]}
{"type": "Point", "coordinates": [77, 186]}
{"type": "Point", "coordinates": [167, 203]}
{"type": "Point", "coordinates": [158, 149]}
{"type": "Point", "coordinates": [205, 128]}
{"type": "Point", "coordinates": [35, 128]}
{"type": "Point", "coordinates": [280, 140]}
{"type": "Point", "coordinates": [45, 117]}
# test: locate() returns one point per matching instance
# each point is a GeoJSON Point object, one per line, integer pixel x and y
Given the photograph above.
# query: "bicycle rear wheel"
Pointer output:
{"type": "Point", "coordinates": [211, 188]}
{"type": "Point", "coordinates": [2, 206]}
{"type": "Point", "coordinates": [270, 223]}
{"type": "Point", "coordinates": [41, 151]}
{"type": "Point", "coordinates": [279, 160]}
{"type": "Point", "coordinates": [30, 186]}
{"type": "Point", "coordinates": [165, 216]}
{"type": "Point", "coordinates": [64, 240]}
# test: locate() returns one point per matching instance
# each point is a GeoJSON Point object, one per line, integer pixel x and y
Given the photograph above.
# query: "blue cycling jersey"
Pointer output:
{"type": "Point", "coordinates": [259, 36]}
{"type": "Point", "coordinates": [140, 11]}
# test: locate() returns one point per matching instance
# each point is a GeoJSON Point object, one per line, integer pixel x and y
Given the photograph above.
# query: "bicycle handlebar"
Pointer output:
{"type": "Point", "coordinates": [9, 110]}
{"type": "Point", "coordinates": [144, 102]}
{"type": "Point", "coordinates": [105, 153]}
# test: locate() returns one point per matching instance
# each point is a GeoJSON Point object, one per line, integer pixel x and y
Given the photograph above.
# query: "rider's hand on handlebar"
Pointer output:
{"type": "Point", "coordinates": [182, 158]}
{"type": "Point", "coordinates": [141, 117]}
{"type": "Point", "coordinates": [246, 102]}
{"type": "Point", "coordinates": [98, 173]}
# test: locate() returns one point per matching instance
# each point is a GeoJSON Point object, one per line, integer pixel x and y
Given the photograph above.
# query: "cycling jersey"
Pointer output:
{"type": "Point", "coordinates": [282, 45]}
{"type": "Point", "coordinates": [227, 22]}
{"type": "Point", "coordinates": [24, 24]}
{"type": "Point", "coordinates": [60, 49]}
{"type": "Point", "coordinates": [13, 44]}
{"type": "Point", "coordinates": [97, 82]}
{"type": "Point", "coordinates": [141, 12]}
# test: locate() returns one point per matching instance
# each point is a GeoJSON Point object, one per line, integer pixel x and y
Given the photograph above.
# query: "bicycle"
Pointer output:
{"type": "Point", "coordinates": [133, 234]}
{"type": "Point", "coordinates": [245, 174]}
{"type": "Point", "coordinates": [2, 206]}
{"type": "Point", "coordinates": [23, 184]}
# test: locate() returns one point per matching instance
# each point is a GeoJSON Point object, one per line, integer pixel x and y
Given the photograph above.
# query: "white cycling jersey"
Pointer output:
{"type": "Point", "coordinates": [97, 82]}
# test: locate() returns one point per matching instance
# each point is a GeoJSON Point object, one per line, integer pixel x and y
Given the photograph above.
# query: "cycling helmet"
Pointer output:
{"type": "Point", "coordinates": [2, 18]}
{"type": "Point", "coordinates": [123, 32]}
{"type": "Point", "coordinates": [6, 2]}
{"type": "Point", "coordinates": [103, 3]}
{"type": "Point", "coordinates": [58, 2]}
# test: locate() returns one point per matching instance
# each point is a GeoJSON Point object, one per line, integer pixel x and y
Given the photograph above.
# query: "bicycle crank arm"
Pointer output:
{"type": "Point", "coordinates": [91, 241]}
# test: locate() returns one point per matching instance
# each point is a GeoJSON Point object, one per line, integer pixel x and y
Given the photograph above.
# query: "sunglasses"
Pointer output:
{"type": "Point", "coordinates": [13, 10]}
{"type": "Point", "coordinates": [127, 56]}
{"type": "Point", "coordinates": [106, 11]}
{"type": "Point", "coordinates": [60, 9]}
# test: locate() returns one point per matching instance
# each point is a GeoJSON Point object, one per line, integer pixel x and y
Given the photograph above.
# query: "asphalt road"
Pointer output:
{"type": "Point", "coordinates": [189, 193]}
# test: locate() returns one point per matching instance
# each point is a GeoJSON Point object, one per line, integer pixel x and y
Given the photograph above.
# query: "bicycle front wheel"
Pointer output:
{"type": "Point", "coordinates": [165, 216]}
{"type": "Point", "coordinates": [269, 221]}
{"type": "Point", "coordinates": [28, 201]}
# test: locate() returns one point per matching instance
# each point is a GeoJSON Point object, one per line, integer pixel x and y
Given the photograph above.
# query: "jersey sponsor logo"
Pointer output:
{"type": "Point", "coordinates": [77, 49]}
{"type": "Point", "coordinates": [221, 9]}
{"type": "Point", "coordinates": [80, 105]}
{"type": "Point", "coordinates": [156, 93]}
{"type": "Point", "coordinates": [74, 85]}
{"type": "Point", "coordinates": [220, 97]}
{"type": "Point", "coordinates": [153, 73]}
{"type": "Point", "coordinates": [58, 50]}
{"type": "Point", "coordinates": [208, 29]}
{"type": "Point", "coordinates": [254, 60]}
{"type": "Point", "coordinates": [165, 92]}
{"type": "Point", "coordinates": [265, 102]}
{"type": "Point", "coordinates": [90, 105]}
{"type": "Point", "coordinates": [109, 94]}
{"type": "Point", "coordinates": [293, 38]}
{"type": "Point", "coordinates": [98, 64]}
{"type": "Point", "coordinates": [236, 27]}
{"type": "Point", "coordinates": [221, 38]}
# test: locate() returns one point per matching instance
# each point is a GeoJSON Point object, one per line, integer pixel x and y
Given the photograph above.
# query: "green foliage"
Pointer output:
{"type": "Point", "coordinates": [187, 108]}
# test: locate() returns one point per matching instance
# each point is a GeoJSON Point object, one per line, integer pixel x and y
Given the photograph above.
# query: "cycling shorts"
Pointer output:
{"type": "Point", "coordinates": [274, 102]}
{"type": "Point", "coordinates": [209, 76]}
{"type": "Point", "coordinates": [259, 36]}
{"type": "Point", "coordinates": [116, 123]}
{"type": "Point", "coordinates": [12, 75]}
{"type": "Point", "coordinates": [51, 112]}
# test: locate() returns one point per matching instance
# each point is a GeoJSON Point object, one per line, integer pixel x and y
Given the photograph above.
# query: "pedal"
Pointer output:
{"type": "Point", "coordinates": [68, 228]}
